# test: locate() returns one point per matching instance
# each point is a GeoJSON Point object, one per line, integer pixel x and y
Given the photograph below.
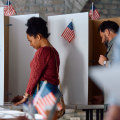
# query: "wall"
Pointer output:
{"type": "Point", "coordinates": [47, 7]}
{"type": "Point", "coordinates": [106, 8]}
{"type": "Point", "coordinates": [20, 55]}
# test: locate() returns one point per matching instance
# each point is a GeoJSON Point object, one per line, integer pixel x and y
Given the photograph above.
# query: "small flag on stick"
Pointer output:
{"type": "Point", "coordinates": [68, 33]}
{"type": "Point", "coordinates": [45, 98]}
{"type": "Point", "coordinates": [93, 13]}
{"type": "Point", "coordinates": [8, 9]}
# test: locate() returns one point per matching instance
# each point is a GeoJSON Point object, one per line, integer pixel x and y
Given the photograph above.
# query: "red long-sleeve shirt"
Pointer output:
{"type": "Point", "coordinates": [43, 67]}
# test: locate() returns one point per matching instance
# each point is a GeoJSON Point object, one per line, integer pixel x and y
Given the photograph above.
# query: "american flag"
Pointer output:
{"type": "Point", "coordinates": [68, 33]}
{"type": "Point", "coordinates": [45, 98]}
{"type": "Point", "coordinates": [8, 9]}
{"type": "Point", "coordinates": [93, 13]}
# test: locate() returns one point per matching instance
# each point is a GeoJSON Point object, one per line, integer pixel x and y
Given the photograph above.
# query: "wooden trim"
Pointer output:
{"type": "Point", "coordinates": [6, 57]}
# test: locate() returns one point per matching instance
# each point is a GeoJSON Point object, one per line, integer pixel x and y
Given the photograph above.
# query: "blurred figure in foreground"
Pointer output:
{"type": "Point", "coordinates": [114, 108]}
{"type": "Point", "coordinates": [108, 31]}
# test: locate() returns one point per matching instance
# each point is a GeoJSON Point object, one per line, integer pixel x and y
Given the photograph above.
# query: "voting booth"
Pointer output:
{"type": "Point", "coordinates": [15, 55]}
{"type": "Point", "coordinates": [75, 57]}
{"type": "Point", "coordinates": [96, 48]}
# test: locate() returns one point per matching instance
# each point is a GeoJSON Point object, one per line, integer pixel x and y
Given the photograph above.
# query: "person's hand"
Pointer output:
{"type": "Point", "coordinates": [17, 99]}
{"type": "Point", "coordinates": [21, 101]}
{"type": "Point", "coordinates": [102, 59]}
{"type": "Point", "coordinates": [113, 113]}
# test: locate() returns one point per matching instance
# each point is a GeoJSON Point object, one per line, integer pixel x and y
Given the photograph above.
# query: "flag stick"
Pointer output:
{"type": "Point", "coordinates": [41, 90]}
{"type": "Point", "coordinates": [8, 7]}
{"type": "Point", "coordinates": [92, 10]}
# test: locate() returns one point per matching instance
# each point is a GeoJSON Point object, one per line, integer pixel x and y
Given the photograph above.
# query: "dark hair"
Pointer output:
{"type": "Point", "coordinates": [37, 25]}
{"type": "Point", "coordinates": [109, 25]}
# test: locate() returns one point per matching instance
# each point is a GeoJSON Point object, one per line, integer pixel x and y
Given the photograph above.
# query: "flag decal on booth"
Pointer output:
{"type": "Point", "coordinates": [93, 13]}
{"type": "Point", "coordinates": [8, 9]}
{"type": "Point", "coordinates": [68, 33]}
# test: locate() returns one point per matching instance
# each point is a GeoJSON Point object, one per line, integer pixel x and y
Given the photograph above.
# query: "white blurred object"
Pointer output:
{"type": "Point", "coordinates": [108, 79]}
{"type": "Point", "coordinates": [29, 110]}
{"type": "Point", "coordinates": [38, 117]}
{"type": "Point", "coordinates": [6, 113]}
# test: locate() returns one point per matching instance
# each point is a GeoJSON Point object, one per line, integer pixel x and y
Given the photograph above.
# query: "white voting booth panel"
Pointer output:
{"type": "Point", "coordinates": [73, 56]}
{"type": "Point", "coordinates": [1, 56]}
{"type": "Point", "coordinates": [20, 54]}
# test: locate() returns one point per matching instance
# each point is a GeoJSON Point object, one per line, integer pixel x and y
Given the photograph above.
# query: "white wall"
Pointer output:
{"type": "Point", "coordinates": [73, 56]}
{"type": "Point", "coordinates": [1, 56]}
{"type": "Point", "coordinates": [20, 55]}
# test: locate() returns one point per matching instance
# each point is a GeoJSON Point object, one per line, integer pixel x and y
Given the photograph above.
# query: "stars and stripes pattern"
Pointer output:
{"type": "Point", "coordinates": [43, 100]}
{"type": "Point", "coordinates": [68, 33]}
{"type": "Point", "coordinates": [8, 9]}
{"type": "Point", "coordinates": [93, 13]}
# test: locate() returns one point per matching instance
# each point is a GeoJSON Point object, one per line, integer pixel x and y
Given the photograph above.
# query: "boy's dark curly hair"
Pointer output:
{"type": "Point", "coordinates": [37, 25]}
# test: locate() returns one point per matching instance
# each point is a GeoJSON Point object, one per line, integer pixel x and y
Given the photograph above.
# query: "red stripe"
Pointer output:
{"type": "Point", "coordinates": [49, 100]}
{"type": "Point", "coordinates": [52, 98]}
{"type": "Point", "coordinates": [39, 109]}
{"type": "Point", "coordinates": [9, 10]}
{"type": "Point", "coordinates": [68, 34]}
{"type": "Point", "coordinates": [41, 104]}
{"type": "Point", "coordinates": [95, 15]}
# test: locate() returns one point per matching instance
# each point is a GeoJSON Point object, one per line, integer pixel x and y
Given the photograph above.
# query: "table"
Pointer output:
{"type": "Point", "coordinates": [100, 109]}
{"type": "Point", "coordinates": [9, 111]}
{"type": "Point", "coordinates": [89, 111]}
